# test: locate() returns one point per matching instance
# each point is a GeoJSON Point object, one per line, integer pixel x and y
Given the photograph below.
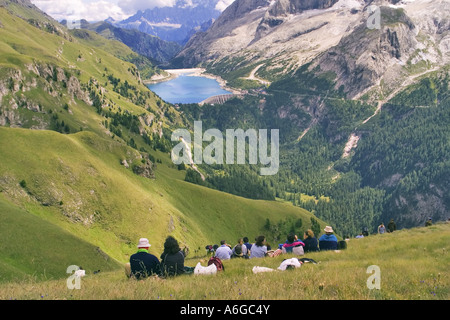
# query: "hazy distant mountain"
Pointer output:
{"type": "Point", "coordinates": [177, 23]}
{"type": "Point", "coordinates": [149, 46]}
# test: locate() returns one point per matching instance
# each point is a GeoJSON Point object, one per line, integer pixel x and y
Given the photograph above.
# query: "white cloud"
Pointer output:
{"type": "Point", "coordinates": [223, 4]}
{"type": "Point", "coordinates": [132, 6]}
{"type": "Point", "coordinates": [81, 9]}
{"type": "Point", "coordinates": [97, 10]}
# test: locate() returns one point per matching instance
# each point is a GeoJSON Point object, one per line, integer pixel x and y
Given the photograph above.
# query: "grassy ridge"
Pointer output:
{"type": "Point", "coordinates": [413, 265]}
{"type": "Point", "coordinates": [23, 46]}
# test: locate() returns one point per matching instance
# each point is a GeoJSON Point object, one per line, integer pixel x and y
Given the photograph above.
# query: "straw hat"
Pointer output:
{"type": "Point", "coordinates": [328, 229]}
{"type": "Point", "coordinates": [143, 243]}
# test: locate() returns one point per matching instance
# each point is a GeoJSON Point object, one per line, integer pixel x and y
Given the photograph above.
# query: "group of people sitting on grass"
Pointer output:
{"type": "Point", "coordinates": [143, 264]}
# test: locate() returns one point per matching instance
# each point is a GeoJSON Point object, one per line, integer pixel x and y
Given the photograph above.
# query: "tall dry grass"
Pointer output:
{"type": "Point", "coordinates": [413, 265]}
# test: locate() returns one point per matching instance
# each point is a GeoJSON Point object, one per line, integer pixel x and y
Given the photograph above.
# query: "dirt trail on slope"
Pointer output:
{"type": "Point", "coordinates": [405, 84]}
{"type": "Point", "coordinates": [252, 76]}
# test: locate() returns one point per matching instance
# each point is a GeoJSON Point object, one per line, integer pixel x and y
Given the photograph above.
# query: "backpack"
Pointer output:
{"type": "Point", "coordinates": [342, 245]}
{"type": "Point", "coordinates": [217, 262]}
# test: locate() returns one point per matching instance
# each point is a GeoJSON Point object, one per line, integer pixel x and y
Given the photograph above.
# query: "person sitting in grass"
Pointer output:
{"type": "Point", "coordinates": [259, 249]}
{"type": "Point", "coordinates": [243, 247]}
{"type": "Point", "coordinates": [172, 259]}
{"type": "Point", "coordinates": [238, 252]}
{"type": "Point", "coordinates": [310, 241]}
{"type": "Point", "coordinates": [142, 263]}
{"type": "Point", "coordinates": [293, 245]}
{"type": "Point", "coordinates": [328, 241]}
{"type": "Point", "coordinates": [224, 252]}
{"type": "Point", "coordinates": [248, 245]}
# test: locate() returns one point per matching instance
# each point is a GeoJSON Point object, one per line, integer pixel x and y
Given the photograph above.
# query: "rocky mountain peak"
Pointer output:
{"type": "Point", "coordinates": [285, 7]}
{"type": "Point", "coordinates": [173, 23]}
{"type": "Point", "coordinates": [281, 9]}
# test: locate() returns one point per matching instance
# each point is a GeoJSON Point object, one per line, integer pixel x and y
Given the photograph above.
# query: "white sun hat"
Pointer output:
{"type": "Point", "coordinates": [328, 229]}
{"type": "Point", "coordinates": [143, 243]}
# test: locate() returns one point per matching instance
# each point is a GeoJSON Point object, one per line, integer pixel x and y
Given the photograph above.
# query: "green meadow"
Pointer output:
{"type": "Point", "coordinates": [79, 188]}
{"type": "Point", "coordinates": [413, 265]}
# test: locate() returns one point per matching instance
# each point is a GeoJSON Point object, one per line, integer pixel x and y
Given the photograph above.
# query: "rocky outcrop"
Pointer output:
{"type": "Point", "coordinates": [12, 98]}
{"type": "Point", "coordinates": [74, 88]}
{"type": "Point", "coordinates": [365, 56]}
{"type": "Point", "coordinates": [140, 165]}
{"type": "Point", "coordinates": [279, 12]}
{"type": "Point", "coordinates": [145, 170]}
{"type": "Point", "coordinates": [285, 7]}
{"type": "Point", "coordinates": [290, 33]}
{"type": "Point", "coordinates": [53, 80]}
{"type": "Point", "coordinates": [237, 10]}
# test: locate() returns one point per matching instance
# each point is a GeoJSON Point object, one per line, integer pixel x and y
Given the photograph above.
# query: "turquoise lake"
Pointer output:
{"type": "Point", "coordinates": [187, 89]}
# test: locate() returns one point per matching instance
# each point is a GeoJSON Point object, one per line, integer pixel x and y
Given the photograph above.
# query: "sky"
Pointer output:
{"type": "Point", "coordinates": [97, 10]}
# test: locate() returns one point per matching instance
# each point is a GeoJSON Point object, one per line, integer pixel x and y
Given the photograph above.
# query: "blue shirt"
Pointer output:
{"type": "Point", "coordinates": [223, 252]}
{"type": "Point", "coordinates": [328, 242]}
{"type": "Point", "coordinates": [328, 237]}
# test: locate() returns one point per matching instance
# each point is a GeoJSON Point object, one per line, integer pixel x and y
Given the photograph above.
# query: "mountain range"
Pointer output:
{"type": "Point", "coordinates": [151, 47]}
{"type": "Point", "coordinates": [280, 36]}
{"type": "Point", "coordinates": [175, 23]}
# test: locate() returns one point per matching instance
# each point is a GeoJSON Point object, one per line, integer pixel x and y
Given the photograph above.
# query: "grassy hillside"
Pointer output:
{"type": "Point", "coordinates": [77, 182]}
{"type": "Point", "coordinates": [413, 266]}
{"type": "Point", "coordinates": [96, 164]}
{"type": "Point", "coordinates": [47, 70]}
{"type": "Point", "coordinates": [31, 246]}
